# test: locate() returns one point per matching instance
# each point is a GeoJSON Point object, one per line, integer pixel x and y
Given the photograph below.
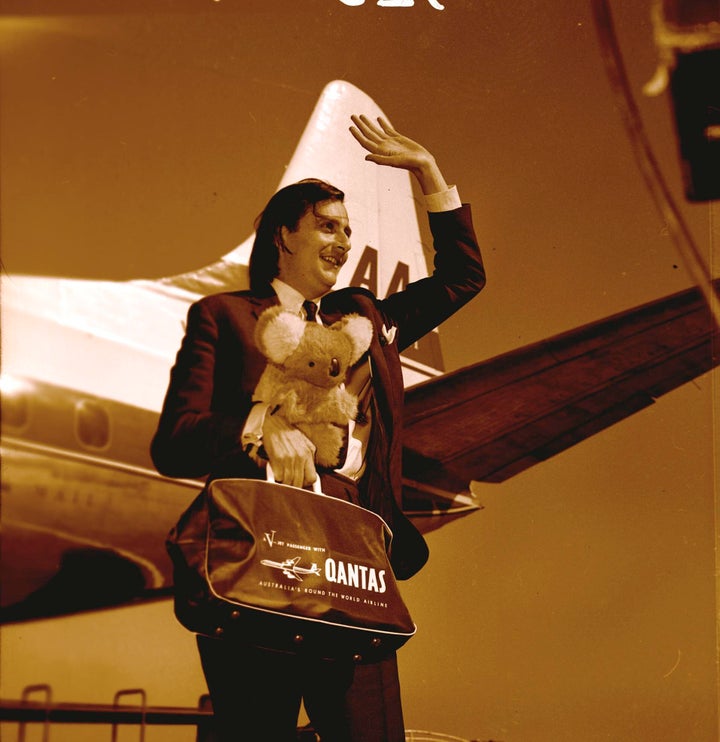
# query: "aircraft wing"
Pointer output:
{"type": "Point", "coordinates": [482, 423]}
{"type": "Point", "coordinates": [496, 418]}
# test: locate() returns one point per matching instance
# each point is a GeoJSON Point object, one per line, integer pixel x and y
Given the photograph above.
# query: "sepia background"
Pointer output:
{"type": "Point", "coordinates": [141, 139]}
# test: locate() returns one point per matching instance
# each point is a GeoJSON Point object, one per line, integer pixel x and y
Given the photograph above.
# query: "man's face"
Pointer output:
{"type": "Point", "coordinates": [318, 248]}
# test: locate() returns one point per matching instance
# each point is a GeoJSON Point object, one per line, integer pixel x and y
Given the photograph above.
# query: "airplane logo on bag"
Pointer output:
{"type": "Point", "coordinates": [291, 568]}
{"type": "Point", "coordinates": [350, 574]}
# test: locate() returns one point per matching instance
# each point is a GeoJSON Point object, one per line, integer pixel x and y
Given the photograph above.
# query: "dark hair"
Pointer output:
{"type": "Point", "coordinates": [284, 209]}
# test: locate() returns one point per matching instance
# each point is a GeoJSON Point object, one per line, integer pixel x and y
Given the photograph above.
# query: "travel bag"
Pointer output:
{"type": "Point", "coordinates": [287, 569]}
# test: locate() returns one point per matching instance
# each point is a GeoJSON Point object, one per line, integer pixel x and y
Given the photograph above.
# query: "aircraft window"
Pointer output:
{"type": "Point", "coordinates": [15, 410]}
{"type": "Point", "coordinates": [92, 424]}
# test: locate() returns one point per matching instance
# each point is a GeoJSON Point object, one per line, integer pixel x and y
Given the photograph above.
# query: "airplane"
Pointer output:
{"type": "Point", "coordinates": [86, 363]}
{"type": "Point", "coordinates": [291, 568]}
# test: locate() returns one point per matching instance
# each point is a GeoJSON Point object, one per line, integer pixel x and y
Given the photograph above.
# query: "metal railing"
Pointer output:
{"type": "Point", "coordinates": [36, 706]}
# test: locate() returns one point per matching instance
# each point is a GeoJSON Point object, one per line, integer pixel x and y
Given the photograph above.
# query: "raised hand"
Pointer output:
{"type": "Point", "coordinates": [386, 146]}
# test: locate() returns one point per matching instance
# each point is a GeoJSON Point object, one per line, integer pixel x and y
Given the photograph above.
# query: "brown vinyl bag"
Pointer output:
{"type": "Point", "coordinates": [287, 569]}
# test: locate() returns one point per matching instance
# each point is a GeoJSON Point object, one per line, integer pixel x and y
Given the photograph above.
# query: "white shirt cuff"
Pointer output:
{"type": "Point", "coordinates": [444, 200]}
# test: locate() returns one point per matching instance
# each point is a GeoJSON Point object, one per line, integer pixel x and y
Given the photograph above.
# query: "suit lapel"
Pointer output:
{"type": "Point", "coordinates": [258, 304]}
{"type": "Point", "coordinates": [382, 357]}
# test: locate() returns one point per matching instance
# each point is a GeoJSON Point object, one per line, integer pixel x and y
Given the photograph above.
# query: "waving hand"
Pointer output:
{"type": "Point", "coordinates": [391, 148]}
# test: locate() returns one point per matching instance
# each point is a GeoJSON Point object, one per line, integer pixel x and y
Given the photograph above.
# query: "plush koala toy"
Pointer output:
{"type": "Point", "coordinates": [303, 381]}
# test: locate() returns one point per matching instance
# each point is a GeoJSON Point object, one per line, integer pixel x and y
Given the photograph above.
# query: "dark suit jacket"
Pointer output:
{"type": "Point", "coordinates": [218, 367]}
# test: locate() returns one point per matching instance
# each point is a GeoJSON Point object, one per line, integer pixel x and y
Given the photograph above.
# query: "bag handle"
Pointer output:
{"type": "Point", "coordinates": [270, 475]}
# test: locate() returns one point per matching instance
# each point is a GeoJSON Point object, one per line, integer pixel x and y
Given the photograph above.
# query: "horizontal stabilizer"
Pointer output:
{"type": "Point", "coordinates": [496, 418]}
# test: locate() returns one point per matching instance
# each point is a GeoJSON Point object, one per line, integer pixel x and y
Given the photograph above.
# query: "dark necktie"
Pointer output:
{"type": "Point", "coordinates": [310, 308]}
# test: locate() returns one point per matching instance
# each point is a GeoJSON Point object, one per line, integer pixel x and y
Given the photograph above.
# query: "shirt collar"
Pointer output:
{"type": "Point", "coordinates": [290, 298]}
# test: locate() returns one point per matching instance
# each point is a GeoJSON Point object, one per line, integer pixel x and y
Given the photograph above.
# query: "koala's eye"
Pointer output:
{"type": "Point", "coordinates": [311, 364]}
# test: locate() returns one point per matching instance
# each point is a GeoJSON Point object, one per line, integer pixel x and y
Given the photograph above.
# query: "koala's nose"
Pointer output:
{"type": "Point", "coordinates": [334, 367]}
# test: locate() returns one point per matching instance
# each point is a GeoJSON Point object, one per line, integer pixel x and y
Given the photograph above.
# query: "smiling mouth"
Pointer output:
{"type": "Point", "coordinates": [333, 261]}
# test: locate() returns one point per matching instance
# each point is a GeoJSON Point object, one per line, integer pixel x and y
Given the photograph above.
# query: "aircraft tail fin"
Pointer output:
{"type": "Point", "coordinates": [387, 252]}
{"type": "Point", "coordinates": [379, 200]}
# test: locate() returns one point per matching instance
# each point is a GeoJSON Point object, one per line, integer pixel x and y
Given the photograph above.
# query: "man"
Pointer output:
{"type": "Point", "coordinates": [211, 425]}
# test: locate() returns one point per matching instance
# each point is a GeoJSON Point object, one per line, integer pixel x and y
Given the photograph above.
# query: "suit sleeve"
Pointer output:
{"type": "Point", "coordinates": [192, 436]}
{"type": "Point", "coordinates": [458, 276]}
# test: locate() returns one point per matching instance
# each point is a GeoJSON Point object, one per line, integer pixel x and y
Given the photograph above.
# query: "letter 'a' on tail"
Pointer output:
{"type": "Point", "coordinates": [387, 252]}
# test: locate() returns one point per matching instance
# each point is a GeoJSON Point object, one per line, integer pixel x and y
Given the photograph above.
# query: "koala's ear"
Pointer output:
{"type": "Point", "coordinates": [278, 333]}
{"type": "Point", "coordinates": [360, 331]}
